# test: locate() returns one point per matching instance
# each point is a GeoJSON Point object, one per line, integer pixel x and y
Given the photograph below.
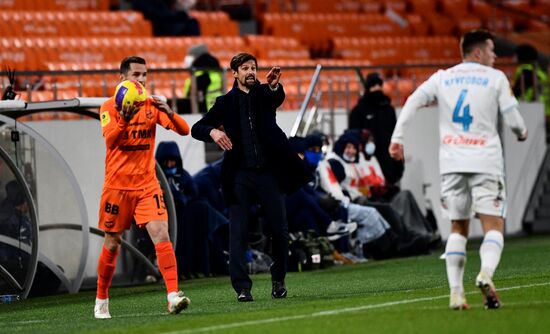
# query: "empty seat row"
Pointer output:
{"type": "Point", "coordinates": [395, 50]}
{"type": "Point", "coordinates": [54, 5]}
{"type": "Point", "coordinates": [73, 23]}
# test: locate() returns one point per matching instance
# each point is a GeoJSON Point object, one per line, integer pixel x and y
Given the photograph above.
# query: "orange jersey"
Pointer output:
{"type": "Point", "coordinates": [129, 162]}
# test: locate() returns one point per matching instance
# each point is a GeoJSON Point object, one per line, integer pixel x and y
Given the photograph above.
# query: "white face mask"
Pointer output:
{"type": "Point", "coordinates": [188, 60]}
{"type": "Point", "coordinates": [348, 158]}
{"type": "Point", "coordinates": [370, 148]}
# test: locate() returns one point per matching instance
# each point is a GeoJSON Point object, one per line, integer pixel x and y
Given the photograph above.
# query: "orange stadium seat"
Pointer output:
{"type": "Point", "coordinates": [215, 23]}
{"type": "Point", "coordinates": [369, 6]}
{"type": "Point", "coordinates": [399, 6]}
{"type": "Point", "coordinates": [54, 5]}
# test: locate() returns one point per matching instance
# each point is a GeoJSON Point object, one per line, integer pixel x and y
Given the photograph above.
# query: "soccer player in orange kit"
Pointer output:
{"type": "Point", "coordinates": [131, 189]}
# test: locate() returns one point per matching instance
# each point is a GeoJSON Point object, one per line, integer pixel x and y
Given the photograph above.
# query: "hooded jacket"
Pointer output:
{"type": "Point", "coordinates": [181, 183]}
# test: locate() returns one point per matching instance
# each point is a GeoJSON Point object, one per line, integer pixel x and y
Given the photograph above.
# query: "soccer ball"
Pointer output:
{"type": "Point", "coordinates": [130, 92]}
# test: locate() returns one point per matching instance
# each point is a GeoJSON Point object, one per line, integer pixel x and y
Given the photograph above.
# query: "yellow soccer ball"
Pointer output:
{"type": "Point", "coordinates": [130, 92]}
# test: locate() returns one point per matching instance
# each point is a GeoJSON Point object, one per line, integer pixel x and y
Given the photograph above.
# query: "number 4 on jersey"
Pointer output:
{"type": "Point", "coordinates": [465, 119]}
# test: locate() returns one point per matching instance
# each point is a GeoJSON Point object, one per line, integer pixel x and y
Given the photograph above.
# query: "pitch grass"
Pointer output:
{"type": "Point", "coordinates": [397, 296]}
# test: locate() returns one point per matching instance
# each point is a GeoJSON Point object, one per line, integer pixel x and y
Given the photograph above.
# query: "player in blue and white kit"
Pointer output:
{"type": "Point", "coordinates": [469, 96]}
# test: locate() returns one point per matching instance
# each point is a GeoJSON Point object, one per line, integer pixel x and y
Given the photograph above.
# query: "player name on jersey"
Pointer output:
{"type": "Point", "coordinates": [467, 80]}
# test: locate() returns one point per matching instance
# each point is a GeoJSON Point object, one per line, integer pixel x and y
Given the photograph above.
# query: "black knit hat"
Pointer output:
{"type": "Point", "coordinates": [373, 79]}
{"type": "Point", "coordinates": [297, 144]}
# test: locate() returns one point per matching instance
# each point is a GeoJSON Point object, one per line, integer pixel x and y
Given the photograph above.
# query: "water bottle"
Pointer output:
{"type": "Point", "coordinates": [6, 299]}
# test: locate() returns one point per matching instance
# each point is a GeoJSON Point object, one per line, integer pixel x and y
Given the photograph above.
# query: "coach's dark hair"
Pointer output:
{"type": "Point", "coordinates": [473, 39]}
{"type": "Point", "coordinates": [240, 59]}
{"type": "Point", "coordinates": [125, 63]}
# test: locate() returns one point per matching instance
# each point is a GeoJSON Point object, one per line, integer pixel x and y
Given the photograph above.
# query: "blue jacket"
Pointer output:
{"type": "Point", "coordinates": [181, 183]}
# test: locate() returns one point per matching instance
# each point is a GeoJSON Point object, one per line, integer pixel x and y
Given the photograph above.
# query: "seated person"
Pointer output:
{"type": "Point", "coordinates": [372, 183]}
{"type": "Point", "coordinates": [339, 176]}
{"type": "Point", "coordinates": [304, 212]}
{"type": "Point", "coordinates": [202, 230]}
{"type": "Point", "coordinates": [208, 183]}
{"type": "Point", "coordinates": [14, 214]}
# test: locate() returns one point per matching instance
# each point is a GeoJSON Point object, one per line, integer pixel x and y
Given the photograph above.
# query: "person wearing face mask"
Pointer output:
{"type": "Point", "coordinates": [372, 180]}
{"type": "Point", "coordinates": [201, 228]}
{"type": "Point", "coordinates": [375, 113]}
{"type": "Point", "coordinates": [259, 166]}
{"type": "Point", "coordinates": [313, 153]}
{"type": "Point", "coordinates": [382, 230]}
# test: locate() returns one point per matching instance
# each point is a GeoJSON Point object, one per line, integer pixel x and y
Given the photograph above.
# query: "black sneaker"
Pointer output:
{"type": "Point", "coordinates": [278, 290]}
{"type": "Point", "coordinates": [245, 296]}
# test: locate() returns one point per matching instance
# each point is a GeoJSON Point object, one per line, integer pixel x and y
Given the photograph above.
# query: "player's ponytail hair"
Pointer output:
{"type": "Point", "coordinates": [474, 39]}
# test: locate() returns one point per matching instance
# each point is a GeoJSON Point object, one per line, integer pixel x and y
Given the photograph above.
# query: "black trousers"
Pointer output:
{"type": "Point", "coordinates": [253, 187]}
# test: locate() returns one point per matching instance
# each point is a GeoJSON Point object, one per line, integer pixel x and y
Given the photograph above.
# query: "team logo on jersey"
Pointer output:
{"type": "Point", "coordinates": [149, 114]}
{"type": "Point", "coordinates": [105, 118]}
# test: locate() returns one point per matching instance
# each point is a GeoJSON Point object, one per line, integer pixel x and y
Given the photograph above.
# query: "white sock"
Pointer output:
{"type": "Point", "coordinates": [455, 260]}
{"type": "Point", "coordinates": [171, 296]}
{"type": "Point", "coordinates": [490, 251]}
{"type": "Point", "coordinates": [101, 301]}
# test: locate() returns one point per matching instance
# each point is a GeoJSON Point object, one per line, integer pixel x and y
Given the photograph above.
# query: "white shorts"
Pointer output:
{"type": "Point", "coordinates": [462, 193]}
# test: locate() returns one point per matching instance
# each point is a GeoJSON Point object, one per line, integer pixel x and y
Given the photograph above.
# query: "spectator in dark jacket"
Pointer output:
{"type": "Point", "coordinates": [208, 182]}
{"type": "Point", "coordinates": [201, 238]}
{"type": "Point", "coordinates": [375, 113]}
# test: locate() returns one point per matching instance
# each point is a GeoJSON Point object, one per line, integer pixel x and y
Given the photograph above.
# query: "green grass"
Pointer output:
{"type": "Point", "coordinates": [396, 296]}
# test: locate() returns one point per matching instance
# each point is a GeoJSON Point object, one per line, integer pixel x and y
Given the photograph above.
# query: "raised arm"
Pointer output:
{"type": "Point", "coordinates": [169, 119]}
{"type": "Point", "coordinates": [275, 93]}
{"type": "Point", "coordinates": [113, 125]}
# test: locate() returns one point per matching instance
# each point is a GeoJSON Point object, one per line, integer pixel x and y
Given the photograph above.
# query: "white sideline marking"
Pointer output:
{"type": "Point", "coordinates": [333, 312]}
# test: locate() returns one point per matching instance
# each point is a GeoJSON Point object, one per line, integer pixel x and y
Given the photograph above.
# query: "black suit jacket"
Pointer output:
{"type": "Point", "coordinates": [290, 171]}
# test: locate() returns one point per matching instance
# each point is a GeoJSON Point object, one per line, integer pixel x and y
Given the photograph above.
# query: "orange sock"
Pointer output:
{"type": "Point", "coordinates": [166, 260]}
{"type": "Point", "coordinates": [105, 272]}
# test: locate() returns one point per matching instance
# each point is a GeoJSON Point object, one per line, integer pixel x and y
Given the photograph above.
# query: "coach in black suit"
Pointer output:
{"type": "Point", "coordinates": [259, 166]}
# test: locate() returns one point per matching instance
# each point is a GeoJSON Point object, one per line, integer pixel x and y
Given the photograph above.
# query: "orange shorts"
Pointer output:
{"type": "Point", "coordinates": [118, 207]}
